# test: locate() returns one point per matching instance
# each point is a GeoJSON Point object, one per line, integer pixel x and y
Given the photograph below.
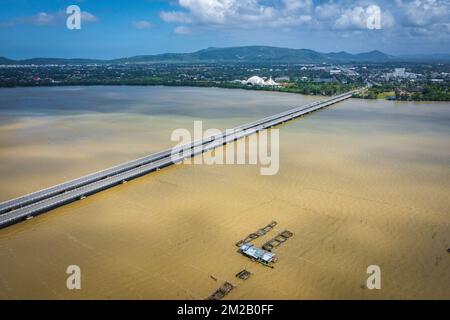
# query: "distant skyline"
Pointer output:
{"type": "Point", "coordinates": [117, 28]}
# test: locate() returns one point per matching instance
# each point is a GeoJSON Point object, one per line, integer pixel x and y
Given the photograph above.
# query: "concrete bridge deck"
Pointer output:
{"type": "Point", "coordinates": [21, 208]}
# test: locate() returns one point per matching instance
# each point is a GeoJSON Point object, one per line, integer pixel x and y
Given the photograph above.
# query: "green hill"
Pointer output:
{"type": "Point", "coordinates": [247, 54]}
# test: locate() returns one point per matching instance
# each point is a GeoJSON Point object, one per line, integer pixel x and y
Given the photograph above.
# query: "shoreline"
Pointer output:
{"type": "Point", "coordinates": [200, 85]}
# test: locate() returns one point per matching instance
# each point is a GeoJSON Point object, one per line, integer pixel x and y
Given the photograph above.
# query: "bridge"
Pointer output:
{"type": "Point", "coordinates": [30, 205]}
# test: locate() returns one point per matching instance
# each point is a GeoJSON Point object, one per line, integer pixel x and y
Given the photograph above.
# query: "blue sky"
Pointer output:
{"type": "Point", "coordinates": [119, 28]}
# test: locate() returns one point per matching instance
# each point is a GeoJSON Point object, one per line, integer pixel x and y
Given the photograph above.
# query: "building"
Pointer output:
{"type": "Point", "coordinates": [258, 254]}
{"type": "Point", "coordinates": [283, 78]}
{"type": "Point", "coordinates": [324, 80]}
{"type": "Point", "coordinates": [399, 72]}
{"type": "Point", "coordinates": [270, 82]}
{"type": "Point", "coordinates": [258, 81]}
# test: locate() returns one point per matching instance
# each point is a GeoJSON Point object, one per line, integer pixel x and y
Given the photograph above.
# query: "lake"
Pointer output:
{"type": "Point", "coordinates": [360, 183]}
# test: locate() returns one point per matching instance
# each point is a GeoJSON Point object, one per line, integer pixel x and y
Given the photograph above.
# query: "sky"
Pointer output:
{"type": "Point", "coordinates": [123, 28]}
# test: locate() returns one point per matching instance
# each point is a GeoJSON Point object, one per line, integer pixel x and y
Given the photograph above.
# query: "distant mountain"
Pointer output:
{"type": "Point", "coordinates": [60, 61]}
{"type": "Point", "coordinates": [426, 57]}
{"type": "Point", "coordinates": [372, 56]}
{"type": "Point", "coordinates": [5, 61]}
{"type": "Point", "coordinates": [260, 54]}
{"type": "Point", "coordinates": [340, 55]}
{"type": "Point", "coordinates": [40, 61]}
{"type": "Point", "coordinates": [375, 56]}
{"type": "Point", "coordinates": [249, 54]}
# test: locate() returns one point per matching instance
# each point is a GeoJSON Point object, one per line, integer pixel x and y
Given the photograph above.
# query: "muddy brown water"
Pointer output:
{"type": "Point", "coordinates": [360, 183]}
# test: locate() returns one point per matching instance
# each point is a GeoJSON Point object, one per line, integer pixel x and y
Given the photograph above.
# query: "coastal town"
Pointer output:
{"type": "Point", "coordinates": [392, 81]}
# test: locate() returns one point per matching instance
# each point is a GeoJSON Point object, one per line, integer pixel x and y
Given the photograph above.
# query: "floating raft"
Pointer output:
{"type": "Point", "coordinates": [278, 240]}
{"type": "Point", "coordinates": [257, 234]}
{"type": "Point", "coordinates": [257, 254]}
{"type": "Point", "coordinates": [244, 274]}
{"type": "Point", "coordinates": [221, 292]}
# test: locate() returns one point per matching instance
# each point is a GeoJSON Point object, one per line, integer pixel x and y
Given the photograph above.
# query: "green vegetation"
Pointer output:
{"type": "Point", "coordinates": [417, 82]}
{"type": "Point", "coordinates": [312, 88]}
{"type": "Point", "coordinates": [409, 92]}
{"type": "Point", "coordinates": [245, 54]}
{"type": "Point", "coordinates": [433, 93]}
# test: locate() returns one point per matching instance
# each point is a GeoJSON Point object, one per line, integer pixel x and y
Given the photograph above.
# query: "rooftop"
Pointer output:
{"type": "Point", "coordinates": [253, 252]}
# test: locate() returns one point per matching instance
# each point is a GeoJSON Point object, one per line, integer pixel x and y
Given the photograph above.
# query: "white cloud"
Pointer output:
{"type": "Point", "coordinates": [441, 30]}
{"type": "Point", "coordinates": [297, 5]}
{"type": "Point", "coordinates": [48, 19]}
{"type": "Point", "coordinates": [227, 11]}
{"type": "Point", "coordinates": [182, 30]}
{"type": "Point", "coordinates": [175, 16]}
{"type": "Point", "coordinates": [88, 17]}
{"type": "Point", "coordinates": [357, 18]}
{"type": "Point", "coordinates": [337, 16]}
{"type": "Point", "coordinates": [142, 24]}
{"type": "Point", "coordinates": [327, 11]}
{"type": "Point", "coordinates": [40, 19]}
{"type": "Point", "coordinates": [421, 13]}
{"type": "Point", "coordinates": [240, 13]}
{"type": "Point", "coordinates": [426, 17]}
